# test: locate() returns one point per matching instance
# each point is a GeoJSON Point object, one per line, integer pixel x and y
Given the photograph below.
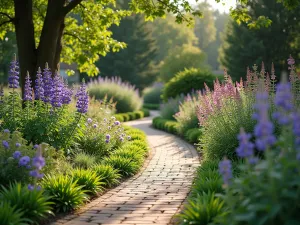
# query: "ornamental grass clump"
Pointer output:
{"type": "Point", "coordinates": [267, 191]}
{"type": "Point", "coordinates": [47, 116]}
{"type": "Point", "coordinates": [125, 95]}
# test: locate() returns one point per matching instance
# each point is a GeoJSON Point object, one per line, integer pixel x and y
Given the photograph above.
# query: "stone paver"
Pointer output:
{"type": "Point", "coordinates": [154, 195]}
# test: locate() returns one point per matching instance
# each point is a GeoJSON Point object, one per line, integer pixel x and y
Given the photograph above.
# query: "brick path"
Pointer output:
{"type": "Point", "coordinates": [151, 197]}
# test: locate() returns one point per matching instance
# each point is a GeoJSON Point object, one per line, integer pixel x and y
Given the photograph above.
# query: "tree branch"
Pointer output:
{"type": "Point", "coordinates": [5, 22]}
{"type": "Point", "coordinates": [68, 8]}
{"type": "Point", "coordinates": [8, 16]}
{"type": "Point", "coordinates": [73, 35]}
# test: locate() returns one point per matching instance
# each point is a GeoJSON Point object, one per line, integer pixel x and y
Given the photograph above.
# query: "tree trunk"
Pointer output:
{"type": "Point", "coordinates": [25, 38]}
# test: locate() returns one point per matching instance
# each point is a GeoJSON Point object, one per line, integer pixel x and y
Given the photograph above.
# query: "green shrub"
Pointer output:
{"type": "Point", "coordinates": [202, 210]}
{"type": "Point", "coordinates": [193, 135]}
{"type": "Point", "coordinates": [139, 114]}
{"type": "Point", "coordinates": [107, 174]}
{"type": "Point", "coordinates": [186, 81]}
{"type": "Point", "coordinates": [34, 204]}
{"type": "Point", "coordinates": [124, 94]}
{"type": "Point", "coordinates": [166, 125]}
{"type": "Point", "coordinates": [126, 167]}
{"type": "Point", "coordinates": [132, 116]}
{"type": "Point", "coordinates": [64, 192]}
{"type": "Point", "coordinates": [88, 179]}
{"type": "Point", "coordinates": [152, 94]}
{"type": "Point", "coordinates": [83, 160]}
{"type": "Point", "coordinates": [187, 114]}
{"type": "Point", "coordinates": [141, 144]}
{"type": "Point", "coordinates": [119, 117]}
{"type": "Point", "coordinates": [146, 112]}
{"type": "Point", "coordinates": [131, 152]}
{"type": "Point", "coordinates": [99, 109]}
{"type": "Point", "coordinates": [151, 106]}
{"type": "Point", "coordinates": [9, 215]}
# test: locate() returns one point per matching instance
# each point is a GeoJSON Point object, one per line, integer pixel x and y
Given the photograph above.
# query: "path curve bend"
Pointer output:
{"type": "Point", "coordinates": [155, 194]}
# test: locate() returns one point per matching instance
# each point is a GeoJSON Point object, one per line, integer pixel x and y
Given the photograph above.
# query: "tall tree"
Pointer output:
{"type": "Point", "coordinates": [243, 47]}
{"type": "Point", "coordinates": [134, 63]}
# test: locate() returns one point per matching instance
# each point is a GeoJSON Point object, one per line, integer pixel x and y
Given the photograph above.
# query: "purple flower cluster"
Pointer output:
{"type": "Point", "coordinates": [48, 84]}
{"type": "Point", "coordinates": [58, 90]}
{"type": "Point", "coordinates": [24, 161]}
{"type": "Point", "coordinates": [27, 89]}
{"type": "Point", "coordinates": [246, 148]}
{"type": "Point", "coordinates": [13, 78]}
{"type": "Point", "coordinates": [38, 162]}
{"type": "Point", "coordinates": [107, 138]}
{"type": "Point", "coordinates": [82, 99]}
{"type": "Point", "coordinates": [225, 169]}
{"type": "Point", "coordinates": [263, 130]}
{"type": "Point", "coordinates": [5, 144]}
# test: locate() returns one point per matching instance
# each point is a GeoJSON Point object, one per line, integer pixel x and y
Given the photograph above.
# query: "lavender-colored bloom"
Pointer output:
{"type": "Point", "coordinates": [107, 136]}
{"type": "Point", "coordinates": [38, 187]}
{"type": "Point", "coordinates": [38, 161]}
{"type": "Point", "coordinates": [13, 78]}
{"type": "Point", "coordinates": [48, 84]}
{"type": "Point", "coordinates": [107, 141]}
{"type": "Point", "coordinates": [291, 61]}
{"type": "Point", "coordinates": [36, 174]}
{"type": "Point", "coordinates": [30, 187]}
{"type": "Point", "coordinates": [5, 144]}
{"type": "Point", "coordinates": [36, 146]}
{"type": "Point", "coordinates": [89, 120]}
{"type": "Point", "coordinates": [66, 95]}
{"type": "Point", "coordinates": [28, 167]}
{"type": "Point", "coordinates": [225, 170]}
{"type": "Point", "coordinates": [39, 85]}
{"type": "Point", "coordinates": [283, 98]}
{"type": "Point", "coordinates": [95, 125]}
{"type": "Point", "coordinates": [263, 131]}
{"type": "Point", "coordinates": [117, 123]}
{"type": "Point", "coordinates": [17, 154]}
{"type": "Point", "coordinates": [6, 131]}
{"type": "Point", "coordinates": [24, 161]}
{"type": "Point", "coordinates": [58, 86]}
{"type": "Point", "coordinates": [246, 148]}
{"type": "Point", "coordinates": [27, 89]}
{"type": "Point", "coordinates": [18, 145]}
{"type": "Point", "coordinates": [83, 99]}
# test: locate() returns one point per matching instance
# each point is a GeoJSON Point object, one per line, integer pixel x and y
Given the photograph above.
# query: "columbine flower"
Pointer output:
{"type": "Point", "coordinates": [83, 99]}
{"type": "Point", "coordinates": [27, 89]}
{"type": "Point", "coordinates": [89, 120]}
{"type": "Point", "coordinates": [17, 154]}
{"type": "Point", "coordinates": [13, 78]}
{"type": "Point", "coordinates": [18, 145]}
{"type": "Point", "coordinates": [5, 144]}
{"type": "Point", "coordinates": [117, 123]}
{"type": "Point", "coordinates": [246, 148]}
{"type": "Point", "coordinates": [225, 170]}
{"type": "Point", "coordinates": [48, 84]}
{"type": "Point", "coordinates": [39, 85]}
{"type": "Point", "coordinates": [263, 130]}
{"type": "Point", "coordinates": [24, 161]}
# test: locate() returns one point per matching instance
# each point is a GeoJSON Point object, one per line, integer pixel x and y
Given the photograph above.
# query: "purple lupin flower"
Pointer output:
{"type": "Point", "coordinates": [38, 162]}
{"type": "Point", "coordinates": [66, 95]}
{"type": "Point", "coordinates": [82, 99]}
{"type": "Point", "coordinates": [246, 148]}
{"type": "Point", "coordinates": [48, 84]}
{"type": "Point", "coordinates": [56, 100]}
{"type": "Point", "coordinates": [13, 78]}
{"type": "Point", "coordinates": [39, 85]}
{"type": "Point", "coordinates": [263, 130]}
{"type": "Point", "coordinates": [225, 169]}
{"type": "Point", "coordinates": [27, 89]}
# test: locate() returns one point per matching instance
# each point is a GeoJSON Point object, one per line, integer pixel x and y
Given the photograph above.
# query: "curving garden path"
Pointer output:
{"type": "Point", "coordinates": [155, 194]}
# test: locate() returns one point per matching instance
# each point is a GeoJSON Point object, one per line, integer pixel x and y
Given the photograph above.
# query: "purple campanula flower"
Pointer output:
{"type": "Point", "coordinates": [18, 145]}
{"type": "Point", "coordinates": [17, 154]}
{"type": "Point", "coordinates": [83, 99]}
{"type": "Point", "coordinates": [5, 144]}
{"type": "Point", "coordinates": [27, 89]}
{"type": "Point", "coordinates": [39, 85]}
{"type": "Point", "coordinates": [263, 130]}
{"type": "Point", "coordinates": [13, 78]}
{"type": "Point", "coordinates": [30, 187]}
{"type": "Point", "coordinates": [246, 148]}
{"type": "Point", "coordinates": [24, 161]}
{"type": "Point", "coordinates": [48, 84]}
{"type": "Point", "coordinates": [225, 169]}
{"type": "Point", "coordinates": [6, 131]}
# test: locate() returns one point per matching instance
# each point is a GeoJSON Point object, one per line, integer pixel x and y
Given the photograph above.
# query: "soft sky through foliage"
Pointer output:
{"type": "Point", "coordinates": [222, 6]}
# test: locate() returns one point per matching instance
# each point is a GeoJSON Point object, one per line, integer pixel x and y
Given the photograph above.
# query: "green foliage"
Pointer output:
{"type": "Point", "coordinates": [10, 215]}
{"type": "Point", "coordinates": [193, 135]}
{"type": "Point", "coordinates": [83, 160]}
{"type": "Point", "coordinates": [99, 109]}
{"type": "Point", "coordinates": [126, 97]}
{"type": "Point", "coordinates": [170, 108]}
{"type": "Point", "coordinates": [133, 64]}
{"type": "Point", "coordinates": [126, 167]}
{"type": "Point", "coordinates": [186, 81]}
{"type": "Point", "coordinates": [166, 125]}
{"type": "Point", "coordinates": [131, 152]}
{"type": "Point", "coordinates": [139, 114]}
{"type": "Point", "coordinates": [107, 174]}
{"type": "Point", "coordinates": [187, 114]}
{"type": "Point", "coordinates": [132, 116]}
{"type": "Point", "coordinates": [88, 179]}
{"type": "Point", "coordinates": [151, 106]}
{"type": "Point", "coordinates": [135, 134]}
{"type": "Point", "coordinates": [146, 112]}
{"type": "Point", "coordinates": [140, 144]}
{"type": "Point", "coordinates": [64, 192]}
{"type": "Point", "coordinates": [152, 94]}
{"type": "Point", "coordinates": [34, 205]}
{"type": "Point", "coordinates": [202, 210]}
{"type": "Point", "coordinates": [181, 58]}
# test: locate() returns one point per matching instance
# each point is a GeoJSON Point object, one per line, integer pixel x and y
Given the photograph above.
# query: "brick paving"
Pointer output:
{"type": "Point", "coordinates": [151, 197]}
